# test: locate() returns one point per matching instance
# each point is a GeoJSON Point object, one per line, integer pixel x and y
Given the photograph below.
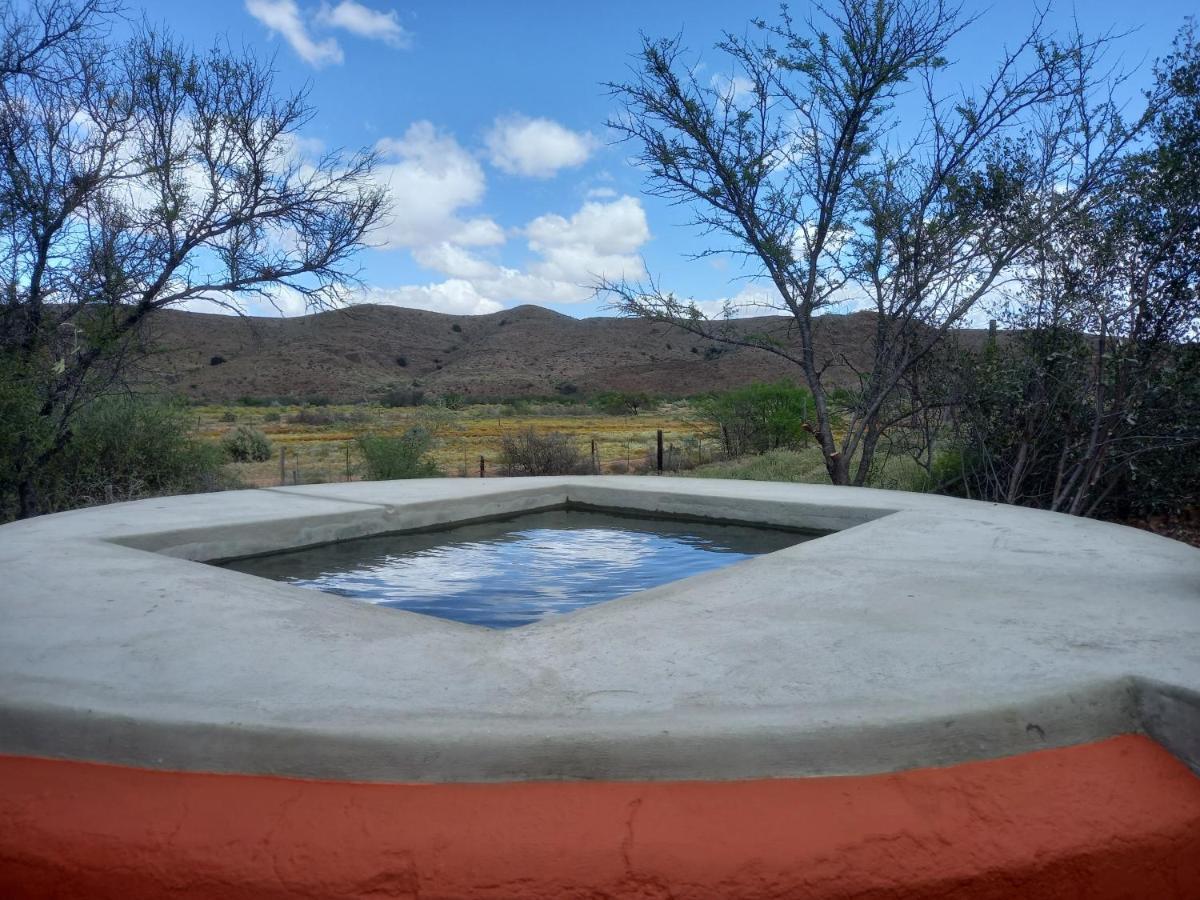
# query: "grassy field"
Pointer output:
{"type": "Point", "coordinates": [318, 442]}
{"type": "Point", "coordinates": [808, 467]}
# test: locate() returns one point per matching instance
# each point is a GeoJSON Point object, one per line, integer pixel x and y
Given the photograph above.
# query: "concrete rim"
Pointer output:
{"type": "Point", "coordinates": [870, 650]}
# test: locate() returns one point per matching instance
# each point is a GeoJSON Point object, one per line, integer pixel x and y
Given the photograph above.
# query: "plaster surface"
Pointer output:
{"type": "Point", "coordinates": [927, 631]}
{"type": "Point", "coordinates": [1113, 820]}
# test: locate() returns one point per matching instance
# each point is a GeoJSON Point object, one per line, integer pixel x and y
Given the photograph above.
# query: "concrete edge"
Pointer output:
{"type": "Point", "coordinates": [729, 743]}
{"type": "Point", "coordinates": [632, 749]}
{"type": "Point", "coordinates": [219, 543]}
{"type": "Point", "coordinates": [1171, 715]}
{"type": "Point", "coordinates": [363, 520]}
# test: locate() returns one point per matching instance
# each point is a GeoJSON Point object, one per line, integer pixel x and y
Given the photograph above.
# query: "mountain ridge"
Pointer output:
{"type": "Point", "coordinates": [363, 352]}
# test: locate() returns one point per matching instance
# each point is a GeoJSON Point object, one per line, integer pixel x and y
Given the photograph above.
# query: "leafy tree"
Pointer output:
{"type": "Point", "coordinates": [758, 417]}
{"type": "Point", "coordinates": [1094, 405]}
{"type": "Point", "coordinates": [802, 165]}
{"type": "Point", "coordinates": [137, 175]}
{"type": "Point", "coordinates": [622, 403]}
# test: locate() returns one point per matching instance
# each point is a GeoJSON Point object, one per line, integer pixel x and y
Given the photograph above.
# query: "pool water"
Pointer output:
{"type": "Point", "coordinates": [515, 571]}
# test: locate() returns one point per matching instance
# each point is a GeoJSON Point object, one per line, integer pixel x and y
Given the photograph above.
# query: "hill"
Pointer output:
{"type": "Point", "coordinates": [363, 352]}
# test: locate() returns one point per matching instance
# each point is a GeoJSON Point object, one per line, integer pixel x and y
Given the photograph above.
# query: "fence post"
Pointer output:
{"type": "Point", "coordinates": [347, 461]}
{"type": "Point", "coordinates": [660, 452]}
{"type": "Point", "coordinates": [595, 461]}
{"type": "Point", "coordinates": [481, 466]}
{"type": "Point", "coordinates": [283, 465]}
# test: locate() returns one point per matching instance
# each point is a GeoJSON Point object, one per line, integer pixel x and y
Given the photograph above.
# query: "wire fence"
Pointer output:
{"type": "Point", "coordinates": [664, 452]}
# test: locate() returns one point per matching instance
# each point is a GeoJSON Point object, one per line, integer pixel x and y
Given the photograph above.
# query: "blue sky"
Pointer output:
{"type": "Point", "coordinates": [490, 118]}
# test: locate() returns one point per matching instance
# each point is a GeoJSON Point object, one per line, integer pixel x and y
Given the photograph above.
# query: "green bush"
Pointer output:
{"type": "Point", "coordinates": [246, 444]}
{"type": "Point", "coordinates": [758, 417]}
{"type": "Point", "coordinates": [387, 457]}
{"type": "Point", "coordinates": [121, 448]}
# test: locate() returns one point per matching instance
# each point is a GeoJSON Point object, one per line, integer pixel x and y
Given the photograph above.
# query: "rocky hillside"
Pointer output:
{"type": "Point", "coordinates": [363, 352]}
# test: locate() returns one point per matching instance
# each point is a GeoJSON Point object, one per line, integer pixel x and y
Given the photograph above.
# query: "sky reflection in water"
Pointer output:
{"type": "Point", "coordinates": [507, 573]}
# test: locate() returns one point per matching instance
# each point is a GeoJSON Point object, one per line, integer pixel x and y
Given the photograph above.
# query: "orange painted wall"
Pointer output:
{"type": "Point", "coordinates": [1118, 818]}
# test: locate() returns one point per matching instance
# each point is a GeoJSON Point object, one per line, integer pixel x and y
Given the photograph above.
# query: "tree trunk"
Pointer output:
{"type": "Point", "coordinates": [27, 498]}
{"type": "Point", "coordinates": [867, 456]}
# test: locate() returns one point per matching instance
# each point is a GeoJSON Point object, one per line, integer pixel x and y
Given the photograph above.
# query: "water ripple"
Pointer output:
{"type": "Point", "coordinates": [514, 572]}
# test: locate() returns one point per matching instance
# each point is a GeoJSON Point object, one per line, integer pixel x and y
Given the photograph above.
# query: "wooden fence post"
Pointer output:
{"type": "Point", "coordinates": [283, 465]}
{"type": "Point", "coordinates": [660, 452]}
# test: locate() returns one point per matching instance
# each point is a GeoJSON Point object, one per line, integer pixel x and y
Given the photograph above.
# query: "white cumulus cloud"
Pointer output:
{"type": "Point", "coordinates": [538, 148]}
{"type": "Point", "coordinates": [755, 299]}
{"type": "Point", "coordinates": [600, 240]}
{"type": "Point", "coordinates": [283, 17]}
{"type": "Point", "coordinates": [299, 26]}
{"type": "Point", "coordinates": [431, 178]}
{"type": "Point", "coordinates": [364, 22]}
{"type": "Point", "coordinates": [733, 87]}
{"type": "Point", "coordinates": [454, 296]}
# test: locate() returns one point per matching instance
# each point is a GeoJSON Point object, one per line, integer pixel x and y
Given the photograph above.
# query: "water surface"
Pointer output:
{"type": "Point", "coordinates": [515, 571]}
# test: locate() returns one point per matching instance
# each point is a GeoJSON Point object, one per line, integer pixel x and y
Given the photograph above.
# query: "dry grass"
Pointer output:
{"type": "Point", "coordinates": [324, 453]}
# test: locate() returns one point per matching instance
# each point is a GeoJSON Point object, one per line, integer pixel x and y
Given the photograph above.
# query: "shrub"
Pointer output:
{"type": "Point", "coordinates": [402, 361]}
{"type": "Point", "coordinates": [758, 417]}
{"type": "Point", "coordinates": [121, 448]}
{"type": "Point", "coordinates": [456, 328]}
{"type": "Point", "coordinates": [246, 444]}
{"type": "Point", "coordinates": [216, 360]}
{"type": "Point", "coordinates": [530, 452]}
{"type": "Point", "coordinates": [322, 417]}
{"type": "Point", "coordinates": [388, 457]}
{"type": "Point", "coordinates": [401, 397]}
{"type": "Point", "coordinates": [271, 417]}
{"type": "Point", "coordinates": [312, 417]}
{"type": "Point", "coordinates": [228, 416]}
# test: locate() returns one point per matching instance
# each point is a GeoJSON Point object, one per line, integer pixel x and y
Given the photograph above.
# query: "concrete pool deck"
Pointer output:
{"type": "Point", "coordinates": [926, 632]}
{"type": "Point", "coordinates": [942, 698]}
